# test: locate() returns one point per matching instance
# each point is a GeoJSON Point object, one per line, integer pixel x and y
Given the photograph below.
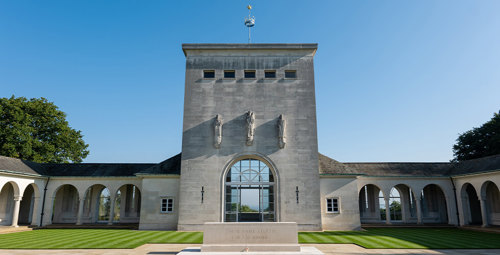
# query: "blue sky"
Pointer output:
{"type": "Point", "coordinates": [395, 80]}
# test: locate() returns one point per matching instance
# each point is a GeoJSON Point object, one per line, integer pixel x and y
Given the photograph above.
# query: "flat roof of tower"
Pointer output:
{"type": "Point", "coordinates": [248, 46]}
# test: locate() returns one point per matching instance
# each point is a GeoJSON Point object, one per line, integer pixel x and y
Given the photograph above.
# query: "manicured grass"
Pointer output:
{"type": "Point", "coordinates": [413, 238]}
{"type": "Point", "coordinates": [93, 238]}
{"type": "Point", "coordinates": [432, 238]}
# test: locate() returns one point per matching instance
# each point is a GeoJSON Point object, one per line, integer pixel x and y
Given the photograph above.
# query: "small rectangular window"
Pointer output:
{"type": "Point", "coordinates": [332, 205]}
{"type": "Point", "coordinates": [208, 74]}
{"type": "Point", "coordinates": [290, 74]}
{"type": "Point", "coordinates": [229, 74]}
{"type": "Point", "coordinates": [270, 74]}
{"type": "Point", "coordinates": [167, 205]}
{"type": "Point", "coordinates": [249, 74]}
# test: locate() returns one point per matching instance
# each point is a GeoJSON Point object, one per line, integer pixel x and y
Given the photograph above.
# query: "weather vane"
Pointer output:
{"type": "Point", "coordinates": [249, 21]}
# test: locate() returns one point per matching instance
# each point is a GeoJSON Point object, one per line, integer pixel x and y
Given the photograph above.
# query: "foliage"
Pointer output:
{"type": "Point", "coordinates": [37, 130]}
{"type": "Point", "coordinates": [246, 208]}
{"type": "Point", "coordinates": [395, 210]}
{"type": "Point", "coordinates": [480, 141]}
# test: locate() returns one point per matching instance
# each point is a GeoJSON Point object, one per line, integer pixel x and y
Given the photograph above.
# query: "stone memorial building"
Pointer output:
{"type": "Point", "coordinates": [250, 154]}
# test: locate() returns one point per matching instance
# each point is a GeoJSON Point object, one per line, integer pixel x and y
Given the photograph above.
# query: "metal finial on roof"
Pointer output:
{"type": "Point", "coordinates": [249, 21]}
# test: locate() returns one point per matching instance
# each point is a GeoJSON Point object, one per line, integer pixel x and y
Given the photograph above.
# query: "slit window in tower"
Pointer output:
{"type": "Point", "coordinates": [208, 74]}
{"type": "Point", "coordinates": [249, 74]}
{"type": "Point", "coordinates": [290, 74]}
{"type": "Point", "coordinates": [229, 74]}
{"type": "Point", "coordinates": [270, 74]}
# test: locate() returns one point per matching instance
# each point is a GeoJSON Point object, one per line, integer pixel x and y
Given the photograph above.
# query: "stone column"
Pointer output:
{"type": "Point", "coordinates": [418, 201]}
{"type": "Point", "coordinates": [80, 212]}
{"type": "Point", "coordinates": [35, 213]}
{"type": "Point", "coordinates": [484, 212]}
{"type": "Point", "coordinates": [112, 210]}
{"type": "Point", "coordinates": [15, 212]}
{"type": "Point", "coordinates": [387, 211]}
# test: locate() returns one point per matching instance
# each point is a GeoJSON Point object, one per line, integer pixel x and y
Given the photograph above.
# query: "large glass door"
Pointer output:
{"type": "Point", "coordinates": [249, 192]}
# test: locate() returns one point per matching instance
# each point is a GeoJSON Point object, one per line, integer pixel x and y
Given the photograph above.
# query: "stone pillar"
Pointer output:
{"type": "Point", "coordinates": [80, 212]}
{"type": "Point", "coordinates": [484, 211]}
{"type": "Point", "coordinates": [387, 211]}
{"type": "Point", "coordinates": [418, 201]}
{"type": "Point", "coordinates": [112, 210]}
{"type": "Point", "coordinates": [15, 212]}
{"type": "Point", "coordinates": [35, 213]}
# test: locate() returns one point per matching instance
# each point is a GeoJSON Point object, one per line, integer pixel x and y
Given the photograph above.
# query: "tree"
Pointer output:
{"type": "Point", "coordinates": [480, 141]}
{"type": "Point", "coordinates": [37, 130]}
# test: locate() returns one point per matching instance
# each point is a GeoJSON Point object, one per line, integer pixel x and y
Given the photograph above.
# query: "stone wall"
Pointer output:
{"type": "Point", "coordinates": [204, 165]}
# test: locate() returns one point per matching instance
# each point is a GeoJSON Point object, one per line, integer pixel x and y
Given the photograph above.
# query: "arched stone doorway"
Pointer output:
{"type": "Point", "coordinates": [471, 206]}
{"type": "Point", "coordinates": [395, 205]}
{"type": "Point", "coordinates": [28, 205]}
{"type": "Point", "coordinates": [370, 204]}
{"type": "Point", "coordinates": [492, 200]}
{"type": "Point", "coordinates": [434, 207]}
{"type": "Point", "coordinates": [104, 206]}
{"type": "Point", "coordinates": [403, 205]}
{"type": "Point", "coordinates": [65, 207]}
{"type": "Point", "coordinates": [6, 203]}
{"type": "Point", "coordinates": [127, 204]}
{"type": "Point", "coordinates": [249, 192]}
{"type": "Point", "coordinates": [94, 205]}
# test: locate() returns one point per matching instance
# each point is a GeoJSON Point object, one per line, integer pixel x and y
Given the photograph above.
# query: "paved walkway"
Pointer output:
{"type": "Point", "coordinates": [9, 229]}
{"type": "Point", "coordinates": [328, 249]}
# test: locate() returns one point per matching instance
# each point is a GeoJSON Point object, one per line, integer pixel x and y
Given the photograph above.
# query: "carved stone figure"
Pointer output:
{"type": "Point", "coordinates": [218, 131]}
{"type": "Point", "coordinates": [281, 131]}
{"type": "Point", "coordinates": [250, 127]}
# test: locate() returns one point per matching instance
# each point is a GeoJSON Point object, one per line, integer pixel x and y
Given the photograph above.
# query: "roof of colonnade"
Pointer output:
{"type": "Point", "coordinates": [24, 167]}
{"type": "Point", "coordinates": [328, 166]}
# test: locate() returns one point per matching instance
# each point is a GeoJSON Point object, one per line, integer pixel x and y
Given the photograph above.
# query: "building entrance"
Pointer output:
{"type": "Point", "coordinates": [249, 192]}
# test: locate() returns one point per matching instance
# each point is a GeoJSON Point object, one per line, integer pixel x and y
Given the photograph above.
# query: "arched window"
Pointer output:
{"type": "Point", "coordinates": [104, 205]}
{"type": "Point", "coordinates": [395, 205]}
{"type": "Point", "coordinates": [249, 192]}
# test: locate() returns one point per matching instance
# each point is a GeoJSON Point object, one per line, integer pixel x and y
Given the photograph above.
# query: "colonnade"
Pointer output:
{"type": "Point", "coordinates": [430, 204]}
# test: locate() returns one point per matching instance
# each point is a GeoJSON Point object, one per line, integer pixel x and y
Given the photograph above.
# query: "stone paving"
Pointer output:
{"type": "Point", "coordinates": [328, 249]}
{"type": "Point", "coordinates": [9, 229]}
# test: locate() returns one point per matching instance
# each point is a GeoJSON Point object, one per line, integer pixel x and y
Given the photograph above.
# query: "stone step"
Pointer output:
{"type": "Point", "coordinates": [91, 226]}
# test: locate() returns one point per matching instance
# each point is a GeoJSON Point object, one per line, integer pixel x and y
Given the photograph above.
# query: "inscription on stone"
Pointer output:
{"type": "Point", "coordinates": [254, 236]}
{"type": "Point", "coordinates": [249, 235]}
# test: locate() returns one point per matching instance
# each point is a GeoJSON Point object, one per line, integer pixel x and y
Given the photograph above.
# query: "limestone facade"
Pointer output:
{"type": "Point", "coordinates": [250, 153]}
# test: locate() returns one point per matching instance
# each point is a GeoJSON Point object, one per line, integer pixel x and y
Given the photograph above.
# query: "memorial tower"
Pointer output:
{"type": "Point", "coordinates": [249, 147]}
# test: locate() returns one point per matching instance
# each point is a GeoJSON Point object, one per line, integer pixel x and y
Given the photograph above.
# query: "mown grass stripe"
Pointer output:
{"type": "Point", "coordinates": [164, 237]}
{"type": "Point", "coordinates": [305, 237]}
{"type": "Point", "coordinates": [372, 238]}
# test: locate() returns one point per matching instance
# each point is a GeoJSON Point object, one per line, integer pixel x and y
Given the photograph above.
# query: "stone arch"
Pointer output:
{"type": "Point", "coordinates": [15, 187]}
{"type": "Point", "coordinates": [91, 203]}
{"type": "Point", "coordinates": [471, 206]}
{"type": "Point", "coordinates": [266, 190]}
{"type": "Point", "coordinates": [369, 203]}
{"type": "Point", "coordinates": [254, 155]}
{"type": "Point", "coordinates": [434, 204]}
{"type": "Point", "coordinates": [490, 195]}
{"type": "Point", "coordinates": [29, 204]}
{"type": "Point", "coordinates": [407, 204]}
{"type": "Point", "coordinates": [65, 204]}
{"type": "Point", "coordinates": [7, 194]}
{"type": "Point", "coordinates": [127, 206]}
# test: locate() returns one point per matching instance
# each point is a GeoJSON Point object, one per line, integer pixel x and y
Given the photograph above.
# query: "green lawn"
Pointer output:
{"type": "Point", "coordinates": [413, 238]}
{"type": "Point", "coordinates": [434, 238]}
{"type": "Point", "coordinates": [93, 238]}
